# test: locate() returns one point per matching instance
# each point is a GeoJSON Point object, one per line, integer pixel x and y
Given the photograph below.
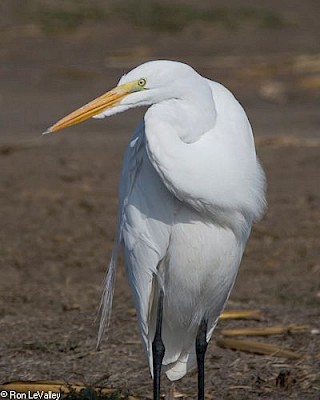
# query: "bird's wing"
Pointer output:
{"type": "Point", "coordinates": [145, 219]}
{"type": "Point", "coordinates": [146, 210]}
{"type": "Point", "coordinates": [130, 169]}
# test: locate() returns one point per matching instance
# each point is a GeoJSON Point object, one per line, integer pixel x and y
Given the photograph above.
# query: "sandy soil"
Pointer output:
{"type": "Point", "coordinates": [58, 194]}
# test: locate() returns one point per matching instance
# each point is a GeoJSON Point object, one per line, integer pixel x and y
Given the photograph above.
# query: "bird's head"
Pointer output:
{"type": "Point", "coordinates": [149, 83]}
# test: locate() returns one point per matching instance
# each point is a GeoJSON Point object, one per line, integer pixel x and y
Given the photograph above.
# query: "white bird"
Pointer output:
{"type": "Point", "coordinates": [190, 189]}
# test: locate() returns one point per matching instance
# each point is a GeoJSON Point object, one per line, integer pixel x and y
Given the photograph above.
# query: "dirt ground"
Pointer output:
{"type": "Point", "coordinates": [58, 193]}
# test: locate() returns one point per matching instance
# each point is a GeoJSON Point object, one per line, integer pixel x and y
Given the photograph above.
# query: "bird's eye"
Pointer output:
{"type": "Point", "coordinates": [142, 82]}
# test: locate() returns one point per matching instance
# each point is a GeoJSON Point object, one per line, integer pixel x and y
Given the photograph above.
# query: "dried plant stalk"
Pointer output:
{"type": "Point", "coordinates": [251, 346]}
{"type": "Point", "coordinates": [265, 331]}
{"type": "Point", "coordinates": [242, 314]}
{"type": "Point", "coordinates": [46, 386]}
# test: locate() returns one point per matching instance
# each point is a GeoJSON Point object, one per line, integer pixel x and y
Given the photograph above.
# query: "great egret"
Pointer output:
{"type": "Point", "coordinates": [190, 189]}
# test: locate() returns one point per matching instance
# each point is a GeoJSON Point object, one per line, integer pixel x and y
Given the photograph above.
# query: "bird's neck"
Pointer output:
{"type": "Point", "coordinates": [182, 116]}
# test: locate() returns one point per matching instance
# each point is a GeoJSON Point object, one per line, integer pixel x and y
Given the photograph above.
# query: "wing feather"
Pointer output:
{"type": "Point", "coordinates": [130, 169]}
{"type": "Point", "coordinates": [145, 217]}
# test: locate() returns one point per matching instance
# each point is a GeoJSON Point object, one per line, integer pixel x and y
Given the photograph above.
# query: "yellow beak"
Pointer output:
{"type": "Point", "coordinates": [107, 100]}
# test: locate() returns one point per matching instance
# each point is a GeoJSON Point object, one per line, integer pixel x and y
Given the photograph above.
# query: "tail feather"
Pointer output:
{"type": "Point", "coordinates": [186, 363]}
{"type": "Point", "coordinates": [105, 307]}
{"type": "Point", "coordinates": [180, 354]}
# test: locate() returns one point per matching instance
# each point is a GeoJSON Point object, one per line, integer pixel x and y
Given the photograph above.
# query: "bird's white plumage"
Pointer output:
{"type": "Point", "coordinates": [190, 189]}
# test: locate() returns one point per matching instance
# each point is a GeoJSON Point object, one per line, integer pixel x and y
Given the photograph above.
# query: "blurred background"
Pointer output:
{"type": "Point", "coordinates": [58, 193]}
{"type": "Point", "coordinates": [268, 52]}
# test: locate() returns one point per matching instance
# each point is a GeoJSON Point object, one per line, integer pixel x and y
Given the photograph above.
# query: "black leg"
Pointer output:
{"type": "Point", "coordinates": [158, 350]}
{"type": "Point", "coordinates": [201, 347]}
